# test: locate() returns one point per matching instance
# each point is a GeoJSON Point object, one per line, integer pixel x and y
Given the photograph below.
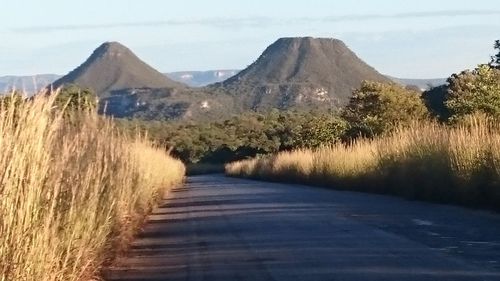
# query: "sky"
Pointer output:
{"type": "Point", "coordinates": [408, 39]}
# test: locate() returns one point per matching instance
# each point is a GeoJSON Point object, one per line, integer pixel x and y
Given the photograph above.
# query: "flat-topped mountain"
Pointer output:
{"type": "Point", "coordinates": [303, 70]}
{"type": "Point", "coordinates": [112, 67]}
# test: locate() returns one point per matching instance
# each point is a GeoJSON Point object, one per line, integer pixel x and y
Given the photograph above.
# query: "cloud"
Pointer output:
{"type": "Point", "coordinates": [410, 15]}
{"type": "Point", "coordinates": [215, 22]}
{"type": "Point", "coordinates": [259, 21]}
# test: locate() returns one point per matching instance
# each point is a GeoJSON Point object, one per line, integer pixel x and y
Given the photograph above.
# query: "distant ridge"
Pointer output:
{"type": "Point", "coordinates": [112, 67]}
{"type": "Point", "coordinates": [33, 83]}
{"type": "Point", "coordinates": [201, 78]}
{"type": "Point", "coordinates": [28, 84]}
{"type": "Point", "coordinates": [302, 70]}
{"type": "Point", "coordinates": [422, 84]}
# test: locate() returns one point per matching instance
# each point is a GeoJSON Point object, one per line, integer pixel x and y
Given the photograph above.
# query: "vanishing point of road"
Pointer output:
{"type": "Point", "coordinates": [218, 228]}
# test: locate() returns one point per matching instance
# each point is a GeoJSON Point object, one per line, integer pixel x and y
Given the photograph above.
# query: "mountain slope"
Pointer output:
{"type": "Point", "coordinates": [301, 71]}
{"type": "Point", "coordinates": [112, 67]}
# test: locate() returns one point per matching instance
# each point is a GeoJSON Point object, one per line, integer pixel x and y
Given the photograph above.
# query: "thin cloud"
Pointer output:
{"type": "Point", "coordinates": [410, 15]}
{"type": "Point", "coordinates": [259, 21]}
{"type": "Point", "coordinates": [215, 22]}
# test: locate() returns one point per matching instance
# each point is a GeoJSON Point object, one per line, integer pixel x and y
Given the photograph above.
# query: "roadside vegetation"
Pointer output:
{"type": "Point", "coordinates": [73, 187]}
{"type": "Point", "coordinates": [426, 161]}
{"type": "Point", "coordinates": [440, 146]}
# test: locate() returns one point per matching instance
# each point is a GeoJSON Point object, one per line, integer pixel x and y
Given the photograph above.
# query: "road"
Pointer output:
{"type": "Point", "coordinates": [218, 228]}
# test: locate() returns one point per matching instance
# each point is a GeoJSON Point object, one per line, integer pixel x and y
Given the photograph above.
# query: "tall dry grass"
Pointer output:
{"type": "Point", "coordinates": [72, 189]}
{"type": "Point", "coordinates": [427, 161]}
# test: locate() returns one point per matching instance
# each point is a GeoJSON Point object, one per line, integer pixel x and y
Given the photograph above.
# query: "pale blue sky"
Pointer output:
{"type": "Point", "coordinates": [415, 39]}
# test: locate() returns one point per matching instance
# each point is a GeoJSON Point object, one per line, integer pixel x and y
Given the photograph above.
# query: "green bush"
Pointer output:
{"type": "Point", "coordinates": [474, 91]}
{"type": "Point", "coordinates": [75, 97]}
{"type": "Point", "coordinates": [377, 108]}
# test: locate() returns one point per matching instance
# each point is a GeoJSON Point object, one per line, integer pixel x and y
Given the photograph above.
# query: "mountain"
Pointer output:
{"type": "Point", "coordinates": [300, 72]}
{"type": "Point", "coordinates": [201, 78]}
{"type": "Point", "coordinates": [27, 84]}
{"type": "Point", "coordinates": [113, 67]}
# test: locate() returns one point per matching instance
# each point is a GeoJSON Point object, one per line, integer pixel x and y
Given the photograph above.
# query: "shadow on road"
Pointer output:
{"type": "Point", "coordinates": [220, 228]}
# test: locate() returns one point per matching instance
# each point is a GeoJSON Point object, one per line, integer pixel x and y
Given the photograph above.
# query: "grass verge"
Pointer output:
{"type": "Point", "coordinates": [428, 161]}
{"type": "Point", "coordinates": [72, 188]}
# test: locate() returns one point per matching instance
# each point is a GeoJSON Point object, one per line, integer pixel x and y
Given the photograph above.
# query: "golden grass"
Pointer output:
{"type": "Point", "coordinates": [428, 161]}
{"type": "Point", "coordinates": [71, 189]}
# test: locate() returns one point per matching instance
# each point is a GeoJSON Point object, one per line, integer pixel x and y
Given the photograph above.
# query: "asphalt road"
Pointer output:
{"type": "Point", "coordinates": [218, 228]}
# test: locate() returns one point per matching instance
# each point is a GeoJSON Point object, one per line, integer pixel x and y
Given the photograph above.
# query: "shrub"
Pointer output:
{"type": "Point", "coordinates": [476, 91]}
{"type": "Point", "coordinates": [76, 98]}
{"type": "Point", "coordinates": [376, 108]}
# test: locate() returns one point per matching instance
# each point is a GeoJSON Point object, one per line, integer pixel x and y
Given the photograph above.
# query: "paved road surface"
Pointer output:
{"type": "Point", "coordinates": [218, 228]}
